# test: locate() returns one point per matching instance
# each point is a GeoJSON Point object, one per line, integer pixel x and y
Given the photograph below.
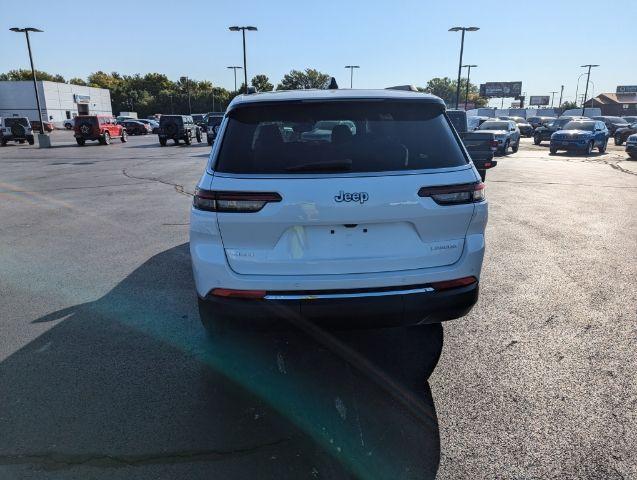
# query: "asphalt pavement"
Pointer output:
{"type": "Point", "coordinates": [105, 371]}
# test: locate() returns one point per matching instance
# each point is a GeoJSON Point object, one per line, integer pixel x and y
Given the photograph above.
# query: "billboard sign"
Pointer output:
{"type": "Point", "coordinates": [501, 89]}
{"type": "Point", "coordinates": [81, 98]}
{"type": "Point", "coordinates": [539, 100]}
{"type": "Point", "coordinates": [626, 89]}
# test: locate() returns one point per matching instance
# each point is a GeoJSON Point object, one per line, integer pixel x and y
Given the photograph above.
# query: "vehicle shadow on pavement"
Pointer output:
{"type": "Point", "coordinates": [130, 385]}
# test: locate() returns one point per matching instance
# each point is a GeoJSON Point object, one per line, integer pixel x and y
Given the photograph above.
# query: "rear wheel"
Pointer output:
{"type": "Point", "coordinates": [505, 149]}
{"type": "Point", "coordinates": [188, 138]}
{"type": "Point", "coordinates": [20, 142]}
{"type": "Point", "coordinates": [602, 147]}
{"type": "Point", "coordinates": [515, 147]}
{"type": "Point", "coordinates": [3, 142]}
{"type": "Point", "coordinates": [537, 139]}
{"type": "Point", "coordinates": [618, 139]}
{"type": "Point", "coordinates": [31, 140]}
{"type": "Point", "coordinates": [162, 142]}
{"type": "Point", "coordinates": [80, 141]}
{"type": "Point", "coordinates": [553, 150]}
{"type": "Point", "coordinates": [198, 136]}
{"type": "Point", "coordinates": [124, 137]}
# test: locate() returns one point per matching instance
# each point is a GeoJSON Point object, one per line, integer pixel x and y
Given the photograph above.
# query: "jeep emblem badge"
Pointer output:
{"type": "Point", "coordinates": [360, 197]}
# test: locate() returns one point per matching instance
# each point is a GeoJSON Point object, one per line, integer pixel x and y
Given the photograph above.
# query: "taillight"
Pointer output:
{"type": "Point", "coordinates": [236, 202]}
{"type": "Point", "coordinates": [455, 194]}
{"type": "Point", "coordinates": [494, 145]}
{"type": "Point", "coordinates": [458, 282]}
{"type": "Point", "coordinates": [230, 293]}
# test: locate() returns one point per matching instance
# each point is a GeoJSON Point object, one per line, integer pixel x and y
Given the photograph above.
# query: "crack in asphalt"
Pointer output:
{"type": "Point", "coordinates": [73, 188]}
{"type": "Point", "coordinates": [178, 188]}
{"type": "Point", "coordinates": [57, 460]}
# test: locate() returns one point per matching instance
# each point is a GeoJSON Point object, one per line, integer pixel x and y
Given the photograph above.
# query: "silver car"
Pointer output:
{"type": "Point", "coordinates": [506, 133]}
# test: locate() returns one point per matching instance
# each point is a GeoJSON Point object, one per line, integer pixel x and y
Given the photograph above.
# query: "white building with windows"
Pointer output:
{"type": "Point", "coordinates": [59, 101]}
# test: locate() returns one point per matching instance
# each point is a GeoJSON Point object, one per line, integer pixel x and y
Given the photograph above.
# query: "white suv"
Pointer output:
{"type": "Point", "coordinates": [380, 223]}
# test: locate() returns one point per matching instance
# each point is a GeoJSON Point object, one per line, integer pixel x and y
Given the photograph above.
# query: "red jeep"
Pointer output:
{"type": "Point", "coordinates": [97, 127]}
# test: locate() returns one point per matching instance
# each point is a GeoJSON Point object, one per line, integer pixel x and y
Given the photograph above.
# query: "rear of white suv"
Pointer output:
{"type": "Point", "coordinates": [380, 222]}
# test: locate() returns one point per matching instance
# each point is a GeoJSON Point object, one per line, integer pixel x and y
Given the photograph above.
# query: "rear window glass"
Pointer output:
{"type": "Point", "coordinates": [214, 121]}
{"type": "Point", "coordinates": [494, 126]}
{"type": "Point", "coordinates": [575, 125]}
{"type": "Point", "coordinates": [165, 120]}
{"type": "Point", "coordinates": [337, 137]}
{"type": "Point", "coordinates": [10, 122]}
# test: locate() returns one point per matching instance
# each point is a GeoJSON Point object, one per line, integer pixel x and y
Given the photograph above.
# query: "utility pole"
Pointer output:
{"type": "Point", "coordinates": [561, 95]}
{"type": "Point", "coordinates": [235, 68]}
{"type": "Point", "coordinates": [466, 96]}
{"type": "Point", "coordinates": [588, 79]}
{"type": "Point", "coordinates": [35, 82]}
{"type": "Point", "coordinates": [351, 74]}
{"type": "Point", "coordinates": [463, 30]}
{"type": "Point", "coordinates": [552, 98]}
{"type": "Point", "coordinates": [243, 32]}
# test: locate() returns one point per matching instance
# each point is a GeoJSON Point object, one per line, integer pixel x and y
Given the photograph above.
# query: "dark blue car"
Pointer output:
{"type": "Point", "coordinates": [582, 136]}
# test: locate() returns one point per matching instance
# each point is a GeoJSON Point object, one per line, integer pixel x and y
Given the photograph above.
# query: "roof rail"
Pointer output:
{"type": "Point", "coordinates": [250, 90]}
{"type": "Point", "coordinates": [409, 88]}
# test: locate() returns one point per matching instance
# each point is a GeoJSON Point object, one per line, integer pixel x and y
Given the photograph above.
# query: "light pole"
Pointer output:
{"type": "Point", "coordinates": [243, 32]}
{"type": "Point", "coordinates": [351, 74]}
{"type": "Point", "coordinates": [235, 68]}
{"type": "Point", "coordinates": [461, 29]}
{"type": "Point", "coordinates": [588, 79]}
{"type": "Point", "coordinates": [26, 31]}
{"type": "Point", "coordinates": [552, 98]}
{"type": "Point", "coordinates": [466, 96]}
{"type": "Point", "coordinates": [561, 95]}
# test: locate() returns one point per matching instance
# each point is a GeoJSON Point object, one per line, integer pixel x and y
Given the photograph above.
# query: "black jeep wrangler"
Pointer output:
{"type": "Point", "coordinates": [178, 127]}
{"type": "Point", "coordinates": [15, 129]}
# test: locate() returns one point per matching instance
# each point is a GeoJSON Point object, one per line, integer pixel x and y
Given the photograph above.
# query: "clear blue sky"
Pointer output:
{"type": "Point", "coordinates": [542, 43]}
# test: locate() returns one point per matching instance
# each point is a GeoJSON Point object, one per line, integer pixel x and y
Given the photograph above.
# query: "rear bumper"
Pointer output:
{"type": "Point", "coordinates": [570, 146]}
{"type": "Point", "coordinates": [344, 313]}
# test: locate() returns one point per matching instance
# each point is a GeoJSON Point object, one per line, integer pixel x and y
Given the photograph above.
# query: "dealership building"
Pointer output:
{"type": "Point", "coordinates": [622, 102]}
{"type": "Point", "coordinates": [59, 101]}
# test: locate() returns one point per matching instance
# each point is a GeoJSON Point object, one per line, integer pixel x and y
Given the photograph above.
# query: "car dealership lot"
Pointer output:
{"type": "Point", "coordinates": [103, 363]}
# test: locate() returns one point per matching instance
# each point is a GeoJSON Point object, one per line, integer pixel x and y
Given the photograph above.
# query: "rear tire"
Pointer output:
{"type": "Point", "coordinates": [505, 149]}
{"type": "Point", "coordinates": [198, 136]}
{"type": "Point", "coordinates": [602, 148]}
{"type": "Point", "coordinates": [80, 141]}
{"type": "Point", "coordinates": [124, 137]}
{"type": "Point", "coordinates": [21, 142]}
{"type": "Point", "coordinates": [162, 142]}
{"type": "Point", "coordinates": [537, 140]}
{"type": "Point", "coordinates": [188, 139]}
{"type": "Point", "coordinates": [31, 140]}
{"type": "Point", "coordinates": [107, 138]}
{"type": "Point", "coordinates": [618, 140]}
{"type": "Point", "coordinates": [516, 147]}
{"type": "Point", "coordinates": [552, 150]}
{"type": "Point", "coordinates": [3, 142]}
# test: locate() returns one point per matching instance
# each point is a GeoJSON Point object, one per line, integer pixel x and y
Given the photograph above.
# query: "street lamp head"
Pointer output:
{"type": "Point", "coordinates": [26, 29]}
{"type": "Point", "coordinates": [352, 66]}
{"type": "Point", "coordinates": [472, 66]}
{"type": "Point", "coordinates": [234, 29]}
{"type": "Point", "coordinates": [455, 29]}
{"type": "Point", "coordinates": [468, 29]}
{"type": "Point", "coordinates": [235, 66]}
{"type": "Point", "coordinates": [472, 29]}
{"type": "Point", "coordinates": [589, 66]}
{"type": "Point", "coordinates": [251, 28]}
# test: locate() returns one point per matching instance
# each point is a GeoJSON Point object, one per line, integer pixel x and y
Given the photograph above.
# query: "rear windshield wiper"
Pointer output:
{"type": "Point", "coordinates": [334, 166]}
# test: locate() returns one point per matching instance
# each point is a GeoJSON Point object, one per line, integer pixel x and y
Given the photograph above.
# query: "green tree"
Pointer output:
{"type": "Point", "coordinates": [568, 105]}
{"type": "Point", "coordinates": [297, 80]}
{"type": "Point", "coordinates": [445, 88]}
{"type": "Point", "coordinates": [77, 81]}
{"type": "Point", "coordinates": [22, 74]}
{"type": "Point", "coordinates": [262, 83]}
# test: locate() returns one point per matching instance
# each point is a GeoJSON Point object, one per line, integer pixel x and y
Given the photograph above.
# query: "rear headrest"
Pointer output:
{"type": "Point", "coordinates": [341, 134]}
